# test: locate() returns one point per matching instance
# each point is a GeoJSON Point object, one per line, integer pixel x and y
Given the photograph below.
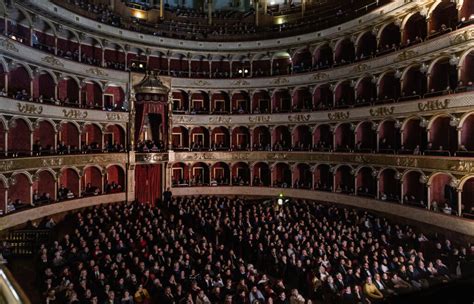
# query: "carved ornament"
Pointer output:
{"type": "Point", "coordinates": [97, 72]}
{"type": "Point", "coordinates": [52, 61]}
{"type": "Point", "coordinates": [381, 111]}
{"type": "Point", "coordinates": [29, 108]}
{"type": "Point", "coordinates": [339, 115]}
{"type": "Point", "coordinates": [431, 105]}
{"type": "Point", "coordinates": [260, 119]}
{"type": "Point", "coordinates": [77, 114]}
{"type": "Point", "coordinates": [8, 45]}
{"type": "Point", "coordinates": [299, 118]}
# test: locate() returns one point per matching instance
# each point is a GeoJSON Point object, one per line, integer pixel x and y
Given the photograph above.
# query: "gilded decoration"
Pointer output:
{"type": "Point", "coordinates": [29, 108]}
{"type": "Point", "coordinates": [154, 157]}
{"type": "Point", "coordinates": [407, 162]}
{"type": "Point", "coordinates": [299, 118]}
{"type": "Point", "coordinates": [431, 105]}
{"type": "Point", "coordinates": [241, 82]}
{"type": "Point", "coordinates": [360, 68]}
{"type": "Point", "coordinates": [198, 156]}
{"type": "Point", "coordinates": [201, 83]}
{"type": "Point", "coordinates": [220, 120]}
{"type": "Point", "coordinates": [53, 162]}
{"type": "Point", "coordinates": [405, 55]}
{"type": "Point", "coordinates": [6, 165]}
{"type": "Point", "coordinates": [183, 119]}
{"type": "Point", "coordinates": [463, 166]}
{"type": "Point", "coordinates": [381, 111]}
{"type": "Point", "coordinates": [280, 80]}
{"type": "Point", "coordinates": [77, 114]}
{"type": "Point", "coordinates": [462, 37]}
{"type": "Point", "coordinates": [115, 116]}
{"type": "Point", "coordinates": [278, 156]}
{"type": "Point", "coordinates": [320, 76]}
{"type": "Point", "coordinates": [52, 61]}
{"type": "Point", "coordinates": [339, 115]}
{"type": "Point", "coordinates": [6, 44]}
{"type": "Point", "coordinates": [96, 72]}
{"type": "Point", "coordinates": [260, 119]}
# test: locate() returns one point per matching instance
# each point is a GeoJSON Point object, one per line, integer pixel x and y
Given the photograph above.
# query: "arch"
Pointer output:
{"type": "Point", "coordinates": [240, 174]}
{"type": "Point", "coordinates": [44, 137]}
{"type": "Point", "coordinates": [443, 75]}
{"type": "Point", "coordinates": [389, 184]}
{"type": "Point", "coordinates": [282, 175]}
{"type": "Point", "coordinates": [365, 181]}
{"type": "Point", "coordinates": [92, 137]}
{"type": "Point", "coordinates": [92, 181]}
{"type": "Point", "coordinates": [179, 138]}
{"type": "Point", "coordinates": [302, 138]}
{"type": "Point", "coordinates": [220, 102]}
{"type": "Point", "coordinates": [20, 190]}
{"type": "Point", "coordinates": [199, 174]}
{"type": "Point", "coordinates": [281, 138]}
{"type": "Point", "coordinates": [19, 136]}
{"type": "Point", "coordinates": [220, 174]}
{"type": "Point", "coordinates": [240, 138]}
{"type": "Point", "coordinates": [261, 138]}
{"type": "Point", "coordinates": [344, 179]}
{"type": "Point", "coordinates": [44, 186]}
{"type": "Point", "coordinates": [261, 174]}
{"type": "Point", "coordinates": [220, 138]}
{"type": "Point", "coordinates": [19, 79]}
{"type": "Point", "coordinates": [180, 174]}
{"type": "Point", "coordinates": [302, 176]}
{"type": "Point", "coordinates": [115, 178]}
{"type": "Point", "coordinates": [199, 138]}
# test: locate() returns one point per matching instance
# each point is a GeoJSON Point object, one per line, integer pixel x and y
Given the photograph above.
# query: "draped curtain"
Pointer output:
{"type": "Point", "coordinates": [142, 110]}
{"type": "Point", "coordinates": [148, 183]}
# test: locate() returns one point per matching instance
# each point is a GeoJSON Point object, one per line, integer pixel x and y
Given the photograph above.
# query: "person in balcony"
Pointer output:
{"type": "Point", "coordinates": [417, 150]}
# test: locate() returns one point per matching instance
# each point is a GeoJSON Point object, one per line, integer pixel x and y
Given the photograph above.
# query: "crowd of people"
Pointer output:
{"type": "Point", "coordinates": [223, 250]}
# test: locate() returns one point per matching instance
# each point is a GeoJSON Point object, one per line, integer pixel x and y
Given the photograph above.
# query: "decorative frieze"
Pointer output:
{"type": "Point", "coordinates": [52, 61]}
{"type": "Point", "coordinates": [6, 44]}
{"type": "Point", "coordinates": [339, 115]}
{"type": "Point", "coordinates": [27, 108]}
{"type": "Point", "coordinates": [299, 117]}
{"type": "Point", "coordinates": [75, 114]}
{"type": "Point", "coordinates": [381, 111]}
{"type": "Point", "coordinates": [220, 120]}
{"type": "Point", "coordinates": [97, 72]}
{"type": "Point", "coordinates": [260, 119]}
{"type": "Point", "coordinates": [431, 105]}
{"type": "Point", "coordinates": [115, 116]}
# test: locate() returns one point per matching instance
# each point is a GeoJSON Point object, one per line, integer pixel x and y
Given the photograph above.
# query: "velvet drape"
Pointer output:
{"type": "Point", "coordinates": [148, 183]}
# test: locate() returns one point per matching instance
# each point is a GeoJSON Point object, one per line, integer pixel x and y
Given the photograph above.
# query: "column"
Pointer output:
{"type": "Point", "coordinates": [31, 35]}
{"type": "Point", "coordinates": [377, 193]}
{"type": "Point", "coordinates": [378, 141]}
{"type": "Point", "coordinates": [265, 6]}
{"type": "Point", "coordinates": [56, 134]}
{"type": "Point", "coordinates": [256, 3]}
{"type": "Point", "coordinates": [189, 67]}
{"type": "Point", "coordinates": [251, 176]}
{"type": "Point", "coordinates": [190, 139]}
{"type": "Point", "coordinates": [271, 67]}
{"type": "Point", "coordinates": [31, 142]}
{"type": "Point", "coordinates": [210, 68]}
{"type": "Point", "coordinates": [162, 9]}
{"type": "Point", "coordinates": [209, 11]}
{"type": "Point", "coordinates": [169, 68]}
{"type": "Point", "coordinates": [459, 192]}
{"type": "Point", "coordinates": [31, 192]}
{"type": "Point", "coordinates": [251, 138]}
{"type": "Point", "coordinates": [334, 186]}
{"type": "Point", "coordinates": [55, 45]}
{"type": "Point", "coordinates": [303, 7]}
{"type": "Point", "coordinates": [55, 193]}
{"type": "Point", "coordinates": [230, 66]}
{"type": "Point", "coordinates": [402, 190]}
{"type": "Point", "coordinates": [459, 131]}
{"type": "Point", "coordinates": [428, 196]}
{"type": "Point", "coordinates": [355, 184]}
{"type": "Point", "coordinates": [6, 201]}
{"type": "Point", "coordinates": [6, 142]}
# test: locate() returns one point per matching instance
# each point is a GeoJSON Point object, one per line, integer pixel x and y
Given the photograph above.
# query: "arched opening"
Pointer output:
{"type": "Point", "coordinates": [344, 180]}
{"type": "Point", "coordinates": [91, 139]}
{"type": "Point", "coordinates": [302, 177]}
{"type": "Point", "coordinates": [443, 195]}
{"type": "Point", "coordinates": [200, 174]}
{"type": "Point", "coordinates": [323, 57]}
{"type": "Point", "coordinates": [19, 138]}
{"type": "Point", "coordinates": [414, 191]}
{"type": "Point", "coordinates": [390, 39]}
{"type": "Point", "coordinates": [199, 67]}
{"type": "Point", "coordinates": [366, 137]}
{"type": "Point", "coordinates": [91, 51]}
{"type": "Point", "coordinates": [92, 95]}
{"type": "Point", "coordinates": [261, 139]}
{"type": "Point", "coordinates": [114, 97]}
{"type": "Point", "coordinates": [414, 137]}
{"type": "Point", "coordinates": [20, 191]}
{"type": "Point", "coordinates": [261, 102]}
{"type": "Point", "coordinates": [180, 138]}
{"type": "Point", "coordinates": [389, 185]}
{"type": "Point", "coordinates": [199, 103]}
{"type": "Point", "coordinates": [69, 138]}
{"type": "Point", "coordinates": [3, 134]}
{"type": "Point", "coordinates": [44, 188]}
{"type": "Point", "coordinates": [281, 64]}
{"type": "Point", "coordinates": [220, 103]}
{"type": "Point", "coordinates": [281, 138]}
{"type": "Point", "coordinates": [92, 182]}
{"type": "Point", "coordinates": [180, 175]}
{"type": "Point", "coordinates": [114, 56]}
{"type": "Point", "coordinates": [415, 30]}
{"type": "Point", "coordinates": [69, 184]}
{"type": "Point", "coordinates": [414, 83]}
{"type": "Point", "coordinates": [220, 139]}
{"type": "Point", "coordinates": [302, 138]}
{"type": "Point", "coordinates": [68, 92]}
{"type": "Point", "coordinates": [367, 46]}
{"type": "Point", "coordinates": [282, 175]}
{"type": "Point", "coordinates": [323, 178]}
{"type": "Point", "coordinates": [19, 83]}
{"type": "Point", "coordinates": [345, 52]}
{"type": "Point", "coordinates": [443, 137]}
{"type": "Point", "coordinates": [240, 103]}
{"type": "Point", "coordinates": [467, 204]}
{"type": "Point", "coordinates": [302, 61]}
{"type": "Point", "coordinates": [44, 88]}
{"type": "Point", "coordinates": [179, 66]}
{"type": "Point", "coordinates": [467, 137]}
{"type": "Point", "coordinates": [366, 92]}
{"type": "Point", "coordinates": [467, 13]}
{"type": "Point", "coordinates": [323, 138]}
{"type": "Point", "coordinates": [180, 102]}
{"type": "Point", "coordinates": [221, 67]}
{"type": "Point", "coordinates": [44, 136]}
{"type": "Point", "coordinates": [240, 174]}
{"type": "Point", "coordinates": [261, 175]}
{"type": "Point", "coordinates": [323, 98]}
{"type": "Point", "coordinates": [240, 139]}
{"type": "Point", "coordinates": [301, 100]}
{"type": "Point", "coordinates": [467, 72]}
{"type": "Point", "coordinates": [443, 78]}
{"type": "Point", "coordinates": [389, 88]}
{"type": "Point", "coordinates": [158, 61]}
{"type": "Point", "coordinates": [3, 78]}
{"type": "Point", "coordinates": [114, 139]}
{"type": "Point", "coordinates": [114, 180]}
{"type": "Point", "coordinates": [366, 182]}
{"type": "Point", "coordinates": [344, 94]}
{"type": "Point", "coordinates": [4, 208]}
{"type": "Point", "coordinates": [389, 136]}
{"type": "Point", "coordinates": [241, 67]}
{"type": "Point", "coordinates": [67, 45]}
{"type": "Point", "coordinates": [344, 138]}
{"type": "Point", "coordinates": [281, 101]}
{"type": "Point", "coordinates": [220, 174]}
{"type": "Point", "coordinates": [443, 19]}
{"type": "Point", "coordinates": [199, 139]}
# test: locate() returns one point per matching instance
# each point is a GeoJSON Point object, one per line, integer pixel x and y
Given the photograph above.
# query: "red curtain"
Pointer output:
{"type": "Point", "coordinates": [142, 110]}
{"type": "Point", "coordinates": [148, 183]}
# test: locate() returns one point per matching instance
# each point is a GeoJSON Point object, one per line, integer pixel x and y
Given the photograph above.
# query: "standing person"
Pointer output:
{"type": "Point", "coordinates": [167, 195]}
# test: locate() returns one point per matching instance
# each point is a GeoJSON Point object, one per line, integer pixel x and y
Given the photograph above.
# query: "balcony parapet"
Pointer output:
{"type": "Point", "coordinates": [40, 110]}
{"type": "Point", "coordinates": [78, 161]}
{"type": "Point", "coordinates": [421, 107]}
{"type": "Point", "coordinates": [457, 166]}
{"type": "Point", "coordinates": [102, 30]}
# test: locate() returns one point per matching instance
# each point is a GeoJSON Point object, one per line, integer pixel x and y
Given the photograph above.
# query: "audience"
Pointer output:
{"type": "Point", "coordinates": [222, 250]}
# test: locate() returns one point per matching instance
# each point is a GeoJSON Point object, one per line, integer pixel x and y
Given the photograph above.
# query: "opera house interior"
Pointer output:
{"type": "Point", "coordinates": [236, 151]}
